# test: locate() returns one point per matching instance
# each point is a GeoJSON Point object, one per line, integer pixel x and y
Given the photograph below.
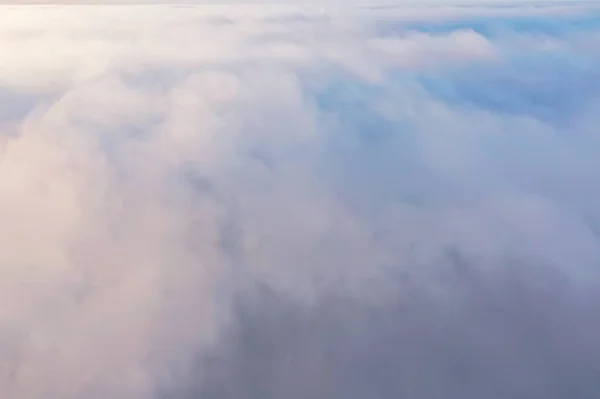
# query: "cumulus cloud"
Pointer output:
{"type": "Point", "coordinates": [272, 202]}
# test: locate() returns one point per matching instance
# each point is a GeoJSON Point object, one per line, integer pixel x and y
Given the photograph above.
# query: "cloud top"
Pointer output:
{"type": "Point", "coordinates": [276, 202]}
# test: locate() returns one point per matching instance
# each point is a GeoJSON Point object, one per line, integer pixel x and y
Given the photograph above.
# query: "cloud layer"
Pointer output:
{"type": "Point", "coordinates": [271, 202]}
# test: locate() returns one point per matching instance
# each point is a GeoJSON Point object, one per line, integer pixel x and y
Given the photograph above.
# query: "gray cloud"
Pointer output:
{"type": "Point", "coordinates": [265, 202]}
{"type": "Point", "coordinates": [519, 333]}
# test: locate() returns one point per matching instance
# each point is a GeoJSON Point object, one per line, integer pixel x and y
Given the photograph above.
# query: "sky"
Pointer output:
{"type": "Point", "coordinates": [256, 202]}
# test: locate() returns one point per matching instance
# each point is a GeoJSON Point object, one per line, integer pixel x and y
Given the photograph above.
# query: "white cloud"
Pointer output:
{"type": "Point", "coordinates": [175, 157]}
{"type": "Point", "coordinates": [65, 46]}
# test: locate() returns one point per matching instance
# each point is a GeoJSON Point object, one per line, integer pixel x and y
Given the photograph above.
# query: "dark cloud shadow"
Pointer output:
{"type": "Point", "coordinates": [519, 331]}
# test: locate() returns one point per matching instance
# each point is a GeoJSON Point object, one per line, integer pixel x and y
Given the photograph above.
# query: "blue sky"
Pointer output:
{"type": "Point", "coordinates": [288, 202]}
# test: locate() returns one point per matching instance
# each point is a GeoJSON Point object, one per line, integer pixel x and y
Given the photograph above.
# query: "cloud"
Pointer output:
{"type": "Point", "coordinates": [249, 202]}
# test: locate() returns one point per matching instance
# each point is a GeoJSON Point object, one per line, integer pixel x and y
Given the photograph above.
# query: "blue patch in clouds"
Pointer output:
{"type": "Point", "coordinates": [548, 87]}
{"type": "Point", "coordinates": [499, 27]}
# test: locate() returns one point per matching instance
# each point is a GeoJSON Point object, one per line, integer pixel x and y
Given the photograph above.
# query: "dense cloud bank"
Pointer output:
{"type": "Point", "coordinates": [270, 202]}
